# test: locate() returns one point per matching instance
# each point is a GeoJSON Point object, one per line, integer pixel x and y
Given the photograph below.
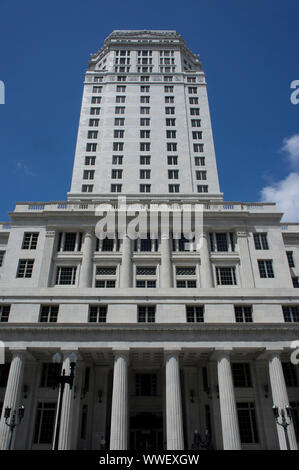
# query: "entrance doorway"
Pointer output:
{"type": "Point", "coordinates": [146, 432]}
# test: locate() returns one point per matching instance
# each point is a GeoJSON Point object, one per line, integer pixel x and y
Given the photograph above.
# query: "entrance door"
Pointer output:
{"type": "Point", "coordinates": [146, 432]}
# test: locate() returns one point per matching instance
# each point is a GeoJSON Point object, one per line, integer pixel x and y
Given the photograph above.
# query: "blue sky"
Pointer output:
{"type": "Point", "coordinates": [249, 51]}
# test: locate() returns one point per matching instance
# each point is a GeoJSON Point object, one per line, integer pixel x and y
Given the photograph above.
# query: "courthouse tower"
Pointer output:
{"type": "Point", "coordinates": [165, 340]}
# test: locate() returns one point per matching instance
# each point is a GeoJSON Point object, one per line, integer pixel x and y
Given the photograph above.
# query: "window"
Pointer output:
{"type": "Point", "coordinates": [117, 159]}
{"type": "Point", "coordinates": [144, 99]}
{"type": "Point", "coordinates": [144, 88]}
{"type": "Point", "coordinates": [196, 135]}
{"type": "Point", "coordinates": [186, 276]}
{"type": "Point", "coordinates": [119, 134]}
{"type": "Point", "coordinates": [168, 89]}
{"type": "Point", "coordinates": [168, 78]}
{"type": "Point", "coordinates": [291, 313]}
{"type": "Point", "coordinates": [91, 147]}
{"type": "Point", "coordinates": [193, 100]}
{"type": "Point", "coordinates": [201, 175]}
{"type": "Point", "coordinates": [121, 88]}
{"type": "Point", "coordinates": [170, 122]}
{"type": "Point", "coordinates": [145, 146]}
{"type": "Point", "coordinates": [106, 276]}
{"type": "Point", "coordinates": [2, 253]}
{"type": "Point", "coordinates": [145, 188]}
{"type": "Point", "coordinates": [48, 374]}
{"type": "Point", "coordinates": [88, 174]}
{"type": "Point", "coordinates": [173, 174]}
{"type": "Point", "coordinates": [145, 159]}
{"type": "Point", "coordinates": [116, 174]}
{"type": "Point", "coordinates": [172, 160]}
{"type": "Point", "coordinates": [145, 121]}
{"type": "Point", "coordinates": [194, 111]}
{"type": "Point", "coordinates": [107, 244]}
{"type": "Point", "coordinates": [95, 111]}
{"type": "Point", "coordinates": [290, 376]}
{"type": "Point", "coordinates": [97, 89]}
{"type": "Point", "coordinates": [105, 283]}
{"type": "Point", "coordinates": [97, 313]}
{"type": "Point", "coordinates": [44, 423]}
{"type": "Point", "coordinates": [202, 188]}
{"type": "Point", "coordinates": [144, 78]}
{"type": "Point", "coordinates": [150, 280]}
{"type": "Point", "coordinates": [4, 313]}
{"type": "Point", "coordinates": [243, 313]}
{"type": "Point", "coordinates": [4, 371]}
{"type": "Point", "coordinates": [290, 259]}
{"type": "Point", "coordinates": [195, 313]}
{"type": "Point", "coordinates": [145, 110]}
{"type": "Point", "coordinates": [66, 275]}
{"type": "Point", "coordinates": [92, 134]}
{"type": "Point", "coordinates": [241, 374]}
{"type": "Point", "coordinates": [96, 99]}
{"type": "Point", "coordinates": [295, 417]}
{"type": "Point", "coordinates": [186, 283]}
{"type": "Point", "coordinates": [169, 99]}
{"type": "Point", "coordinates": [120, 99]}
{"type": "Point", "coordinates": [48, 313]}
{"type": "Point", "coordinates": [199, 161]}
{"type": "Point", "coordinates": [116, 188]}
{"type": "Point", "coordinates": [87, 188]}
{"type": "Point", "coordinates": [144, 174]}
{"type": "Point", "coordinates": [146, 313]}
{"type": "Point", "coordinates": [295, 281]}
{"type": "Point", "coordinates": [119, 121]}
{"type": "Point", "coordinates": [226, 276]}
{"type": "Point", "coordinates": [171, 134]}
{"type": "Point", "coordinates": [260, 241]}
{"type": "Point", "coordinates": [118, 146]}
{"type": "Point", "coordinates": [146, 385]}
{"type": "Point", "coordinates": [266, 268]}
{"type": "Point", "coordinates": [121, 78]}
{"type": "Point", "coordinates": [170, 110]}
{"type": "Point", "coordinates": [222, 241]}
{"type": "Point", "coordinates": [25, 268]}
{"type": "Point", "coordinates": [247, 423]}
{"type": "Point", "coordinates": [90, 160]}
{"type": "Point", "coordinates": [94, 122]}
{"type": "Point", "coordinates": [106, 270]}
{"type": "Point", "coordinates": [119, 110]}
{"type": "Point", "coordinates": [30, 240]}
{"type": "Point", "coordinates": [171, 147]}
{"type": "Point", "coordinates": [145, 134]}
{"type": "Point", "coordinates": [195, 122]}
{"type": "Point", "coordinates": [70, 241]}
{"type": "Point", "coordinates": [192, 90]}
{"type": "Point", "coordinates": [174, 188]}
{"type": "Point", "coordinates": [197, 148]}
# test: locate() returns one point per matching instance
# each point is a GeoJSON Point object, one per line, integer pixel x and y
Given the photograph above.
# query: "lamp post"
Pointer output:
{"type": "Point", "coordinates": [62, 379]}
{"type": "Point", "coordinates": [286, 419]}
{"type": "Point", "coordinates": [15, 419]}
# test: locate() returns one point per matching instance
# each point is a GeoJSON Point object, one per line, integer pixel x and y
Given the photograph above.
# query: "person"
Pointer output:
{"type": "Point", "coordinates": [205, 443]}
{"type": "Point", "coordinates": [196, 439]}
{"type": "Point", "coordinates": [102, 442]}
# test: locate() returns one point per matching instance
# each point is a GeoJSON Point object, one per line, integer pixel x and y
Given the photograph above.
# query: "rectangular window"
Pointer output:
{"type": "Point", "coordinates": [145, 134]}
{"type": "Point", "coordinates": [120, 99]}
{"type": "Point", "coordinates": [145, 122]}
{"type": "Point", "coordinates": [4, 372]}
{"type": "Point", "coordinates": [171, 134]}
{"type": "Point", "coordinates": [96, 99]}
{"type": "Point", "coordinates": [144, 88]}
{"type": "Point", "coordinates": [192, 90]}
{"type": "Point", "coordinates": [197, 148]}
{"type": "Point", "coordinates": [116, 188]}
{"type": "Point", "coordinates": [145, 146]}
{"type": "Point", "coordinates": [195, 123]}
{"type": "Point", "coordinates": [291, 313]}
{"type": "Point", "coordinates": [66, 275]}
{"type": "Point", "coordinates": [119, 110]}
{"type": "Point", "coordinates": [199, 161]}
{"type": "Point", "coordinates": [186, 283]}
{"type": "Point", "coordinates": [170, 110]}
{"type": "Point", "coordinates": [260, 241]}
{"type": "Point", "coordinates": [226, 276]}
{"type": "Point", "coordinates": [144, 99]}
{"type": "Point", "coordinates": [144, 174]}
{"type": "Point", "coordinates": [95, 111]}
{"type": "Point", "coordinates": [145, 110]}
{"type": "Point", "coordinates": [30, 240]}
{"type": "Point", "coordinates": [146, 385]}
{"type": "Point", "coordinates": [105, 283]}
{"type": "Point", "coordinates": [97, 313]}
{"type": "Point", "coordinates": [193, 100]}
{"type": "Point", "coordinates": [194, 111]}
{"type": "Point", "coordinates": [2, 253]}
{"type": "Point", "coordinates": [146, 313]}
{"type": "Point", "coordinates": [88, 174]}
{"type": "Point", "coordinates": [194, 313]}
{"type": "Point", "coordinates": [295, 281]}
{"type": "Point", "coordinates": [196, 135]}
{"type": "Point", "coordinates": [202, 188]}
{"type": "Point", "coordinates": [241, 374]}
{"type": "Point", "coordinates": [145, 188]}
{"type": "Point", "coordinates": [243, 313]}
{"type": "Point", "coordinates": [247, 423]}
{"type": "Point", "coordinates": [119, 134]}
{"type": "Point", "coordinates": [90, 161]}
{"type": "Point", "coordinates": [87, 188]}
{"type": "Point", "coordinates": [171, 147]}
{"type": "Point", "coordinates": [94, 122]}
{"type": "Point", "coordinates": [168, 89]}
{"type": "Point", "coordinates": [170, 122]}
{"type": "Point", "coordinates": [117, 159]}
{"type": "Point", "coordinates": [116, 174]}
{"type": "Point", "coordinates": [121, 88]}
{"type": "Point", "coordinates": [25, 268]}
{"type": "Point", "coordinates": [290, 259]}
{"type": "Point", "coordinates": [169, 99]}
{"type": "Point", "coordinates": [290, 376]}
{"type": "Point", "coordinates": [118, 146]}
{"type": "Point", "coordinates": [172, 160]}
{"type": "Point", "coordinates": [145, 159]}
{"type": "Point", "coordinates": [266, 268]}
{"type": "Point", "coordinates": [91, 147]}
{"type": "Point", "coordinates": [174, 188]}
{"type": "Point", "coordinates": [4, 313]}
{"type": "Point", "coordinates": [201, 175]}
{"type": "Point", "coordinates": [92, 134]}
{"type": "Point", "coordinates": [97, 89]}
{"type": "Point", "coordinates": [173, 174]}
{"type": "Point", "coordinates": [44, 423]}
{"type": "Point", "coordinates": [48, 313]}
{"type": "Point", "coordinates": [119, 121]}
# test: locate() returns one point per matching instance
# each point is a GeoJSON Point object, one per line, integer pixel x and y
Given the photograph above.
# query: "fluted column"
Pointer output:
{"type": "Point", "coordinates": [66, 418]}
{"type": "Point", "coordinates": [247, 278]}
{"type": "Point", "coordinates": [280, 399]}
{"type": "Point", "coordinates": [46, 264]}
{"type": "Point", "coordinates": [87, 265]}
{"type": "Point", "coordinates": [174, 414]}
{"type": "Point", "coordinates": [126, 263]}
{"type": "Point", "coordinates": [206, 274]}
{"type": "Point", "coordinates": [228, 408]}
{"type": "Point", "coordinates": [166, 274]}
{"type": "Point", "coordinates": [12, 394]}
{"type": "Point", "coordinates": [120, 403]}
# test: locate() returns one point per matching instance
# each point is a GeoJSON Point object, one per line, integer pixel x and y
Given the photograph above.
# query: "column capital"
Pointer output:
{"type": "Point", "coordinates": [171, 352]}
{"type": "Point", "coordinates": [219, 353]}
{"type": "Point", "coordinates": [122, 352]}
{"type": "Point", "coordinates": [271, 353]}
{"type": "Point", "coordinates": [89, 234]}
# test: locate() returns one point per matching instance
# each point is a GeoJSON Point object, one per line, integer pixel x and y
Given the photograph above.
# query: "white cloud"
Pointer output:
{"type": "Point", "coordinates": [24, 168]}
{"type": "Point", "coordinates": [286, 191]}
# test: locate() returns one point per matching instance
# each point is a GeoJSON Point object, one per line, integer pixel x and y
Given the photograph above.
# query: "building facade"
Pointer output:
{"type": "Point", "coordinates": [168, 338]}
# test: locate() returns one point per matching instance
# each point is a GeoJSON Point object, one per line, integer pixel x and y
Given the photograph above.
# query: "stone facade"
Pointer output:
{"type": "Point", "coordinates": [168, 341]}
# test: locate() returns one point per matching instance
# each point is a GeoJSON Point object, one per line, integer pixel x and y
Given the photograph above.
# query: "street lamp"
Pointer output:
{"type": "Point", "coordinates": [15, 419]}
{"type": "Point", "coordinates": [62, 379]}
{"type": "Point", "coordinates": [286, 419]}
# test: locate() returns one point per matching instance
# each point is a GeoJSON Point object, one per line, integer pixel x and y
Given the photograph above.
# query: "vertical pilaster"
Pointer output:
{"type": "Point", "coordinates": [166, 277]}
{"type": "Point", "coordinates": [174, 414]}
{"type": "Point", "coordinates": [280, 399]}
{"type": "Point", "coordinates": [87, 265]}
{"type": "Point", "coordinates": [228, 408]}
{"type": "Point", "coordinates": [206, 274]}
{"type": "Point", "coordinates": [46, 264]}
{"type": "Point", "coordinates": [12, 395]}
{"type": "Point", "coordinates": [247, 279]}
{"type": "Point", "coordinates": [120, 402]}
{"type": "Point", "coordinates": [126, 263]}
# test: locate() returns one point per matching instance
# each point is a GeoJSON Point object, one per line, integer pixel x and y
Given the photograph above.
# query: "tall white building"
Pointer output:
{"type": "Point", "coordinates": [167, 340]}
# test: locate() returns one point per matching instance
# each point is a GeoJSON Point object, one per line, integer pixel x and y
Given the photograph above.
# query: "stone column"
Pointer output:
{"type": "Point", "coordinates": [280, 399]}
{"type": "Point", "coordinates": [87, 265]}
{"type": "Point", "coordinates": [247, 279]}
{"type": "Point", "coordinates": [166, 274]}
{"type": "Point", "coordinates": [206, 274]}
{"type": "Point", "coordinates": [228, 408]}
{"type": "Point", "coordinates": [126, 263]}
{"type": "Point", "coordinates": [174, 414]}
{"type": "Point", "coordinates": [12, 395]}
{"type": "Point", "coordinates": [46, 264]}
{"type": "Point", "coordinates": [66, 418]}
{"type": "Point", "coordinates": [120, 402]}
